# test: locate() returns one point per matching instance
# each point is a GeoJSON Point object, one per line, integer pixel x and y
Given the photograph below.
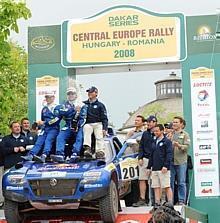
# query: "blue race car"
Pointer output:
{"type": "Point", "coordinates": [72, 184]}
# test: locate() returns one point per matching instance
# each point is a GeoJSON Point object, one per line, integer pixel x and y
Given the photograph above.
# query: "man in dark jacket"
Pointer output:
{"type": "Point", "coordinates": [96, 122]}
{"type": "Point", "coordinates": [160, 162]}
{"type": "Point", "coordinates": [25, 131]}
{"type": "Point", "coordinates": [13, 146]}
{"type": "Point", "coordinates": [145, 150]}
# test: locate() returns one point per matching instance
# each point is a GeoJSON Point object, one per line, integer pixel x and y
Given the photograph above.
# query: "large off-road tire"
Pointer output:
{"type": "Point", "coordinates": [12, 212]}
{"type": "Point", "coordinates": [108, 205]}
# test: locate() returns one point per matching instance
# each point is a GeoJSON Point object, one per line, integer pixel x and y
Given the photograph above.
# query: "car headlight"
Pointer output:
{"type": "Point", "coordinates": [91, 176]}
{"type": "Point", "coordinates": [16, 179]}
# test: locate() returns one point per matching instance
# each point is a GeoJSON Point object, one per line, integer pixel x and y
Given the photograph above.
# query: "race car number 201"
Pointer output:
{"type": "Point", "coordinates": [129, 169]}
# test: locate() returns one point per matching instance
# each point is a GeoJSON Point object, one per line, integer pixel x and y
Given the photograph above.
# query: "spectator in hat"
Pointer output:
{"type": "Point", "coordinates": [145, 150]}
{"type": "Point", "coordinates": [168, 128]}
{"type": "Point", "coordinates": [71, 113]}
{"type": "Point", "coordinates": [96, 122]}
{"type": "Point", "coordinates": [50, 122]}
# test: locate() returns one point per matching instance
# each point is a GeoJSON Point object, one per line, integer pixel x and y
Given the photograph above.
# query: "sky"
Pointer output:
{"type": "Point", "coordinates": [120, 92]}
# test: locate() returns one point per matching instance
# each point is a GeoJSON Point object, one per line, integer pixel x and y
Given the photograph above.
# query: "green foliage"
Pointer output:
{"type": "Point", "coordinates": [13, 65]}
{"type": "Point", "coordinates": [13, 88]}
{"type": "Point", "coordinates": [157, 109]}
{"type": "Point", "coordinates": [10, 12]}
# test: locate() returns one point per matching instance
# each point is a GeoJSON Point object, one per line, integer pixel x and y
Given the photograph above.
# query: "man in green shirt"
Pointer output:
{"type": "Point", "coordinates": [181, 142]}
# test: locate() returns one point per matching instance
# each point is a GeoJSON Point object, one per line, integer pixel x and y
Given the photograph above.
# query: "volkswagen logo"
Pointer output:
{"type": "Point", "coordinates": [53, 182]}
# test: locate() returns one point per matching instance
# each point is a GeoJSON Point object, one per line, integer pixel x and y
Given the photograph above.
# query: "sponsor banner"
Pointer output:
{"type": "Point", "coordinates": [205, 144]}
{"type": "Point", "coordinates": [123, 34]}
{"type": "Point", "coordinates": [44, 44]}
{"type": "Point", "coordinates": [202, 35]}
{"type": "Point", "coordinates": [43, 85]}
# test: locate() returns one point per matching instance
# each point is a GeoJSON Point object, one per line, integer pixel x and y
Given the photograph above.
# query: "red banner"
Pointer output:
{"type": "Point", "coordinates": [133, 218]}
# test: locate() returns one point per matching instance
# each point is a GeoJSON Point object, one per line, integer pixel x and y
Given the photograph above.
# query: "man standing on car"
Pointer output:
{"type": "Point", "coordinates": [97, 123]}
{"type": "Point", "coordinates": [145, 151]}
{"type": "Point", "coordinates": [13, 146]}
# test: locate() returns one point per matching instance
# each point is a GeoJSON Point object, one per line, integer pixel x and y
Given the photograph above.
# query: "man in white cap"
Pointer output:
{"type": "Point", "coordinates": [74, 117]}
{"type": "Point", "coordinates": [50, 122]}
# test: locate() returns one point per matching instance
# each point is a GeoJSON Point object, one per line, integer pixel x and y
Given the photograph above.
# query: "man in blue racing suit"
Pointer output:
{"type": "Point", "coordinates": [50, 128]}
{"type": "Point", "coordinates": [74, 117]}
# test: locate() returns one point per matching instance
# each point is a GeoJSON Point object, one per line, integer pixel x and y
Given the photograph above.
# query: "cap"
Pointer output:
{"type": "Point", "coordinates": [92, 89]}
{"type": "Point", "coordinates": [49, 93]}
{"type": "Point", "coordinates": [70, 89]}
{"type": "Point", "coordinates": [152, 118]}
{"type": "Point", "coordinates": [168, 125]}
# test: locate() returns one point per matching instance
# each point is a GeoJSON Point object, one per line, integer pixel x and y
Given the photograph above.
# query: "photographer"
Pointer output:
{"type": "Point", "coordinates": [166, 214]}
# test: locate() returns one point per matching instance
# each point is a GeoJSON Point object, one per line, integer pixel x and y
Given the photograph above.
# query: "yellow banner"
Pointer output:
{"type": "Point", "coordinates": [202, 72]}
{"type": "Point", "coordinates": [123, 35]}
{"type": "Point", "coordinates": [47, 81]}
{"type": "Point", "coordinates": [43, 85]}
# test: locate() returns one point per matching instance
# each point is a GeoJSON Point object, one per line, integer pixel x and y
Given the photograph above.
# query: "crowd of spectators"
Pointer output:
{"type": "Point", "coordinates": [15, 145]}
{"type": "Point", "coordinates": [163, 162]}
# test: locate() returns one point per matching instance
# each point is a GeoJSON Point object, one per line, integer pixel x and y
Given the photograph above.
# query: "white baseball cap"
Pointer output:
{"type": "Point", "coordinates": [71, 89]}
{"type": "Point", "coordinates": [49, 93]}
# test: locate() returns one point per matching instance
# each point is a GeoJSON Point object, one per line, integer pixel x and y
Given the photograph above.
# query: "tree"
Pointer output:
{"type": "Point", "coordinates": [13, 65]}
{"type": "Point", "coordinates": [163, 115]}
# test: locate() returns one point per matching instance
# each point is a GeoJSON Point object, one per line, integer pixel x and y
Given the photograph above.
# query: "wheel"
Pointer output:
{"type": "Point", "coordinates": [108, 205]}
{"type": "Point", "coordinates": [11, 212]}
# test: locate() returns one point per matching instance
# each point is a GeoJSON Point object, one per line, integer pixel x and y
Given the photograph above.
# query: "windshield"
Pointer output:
{"type": "Point", "coordinates": [131, 149]}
